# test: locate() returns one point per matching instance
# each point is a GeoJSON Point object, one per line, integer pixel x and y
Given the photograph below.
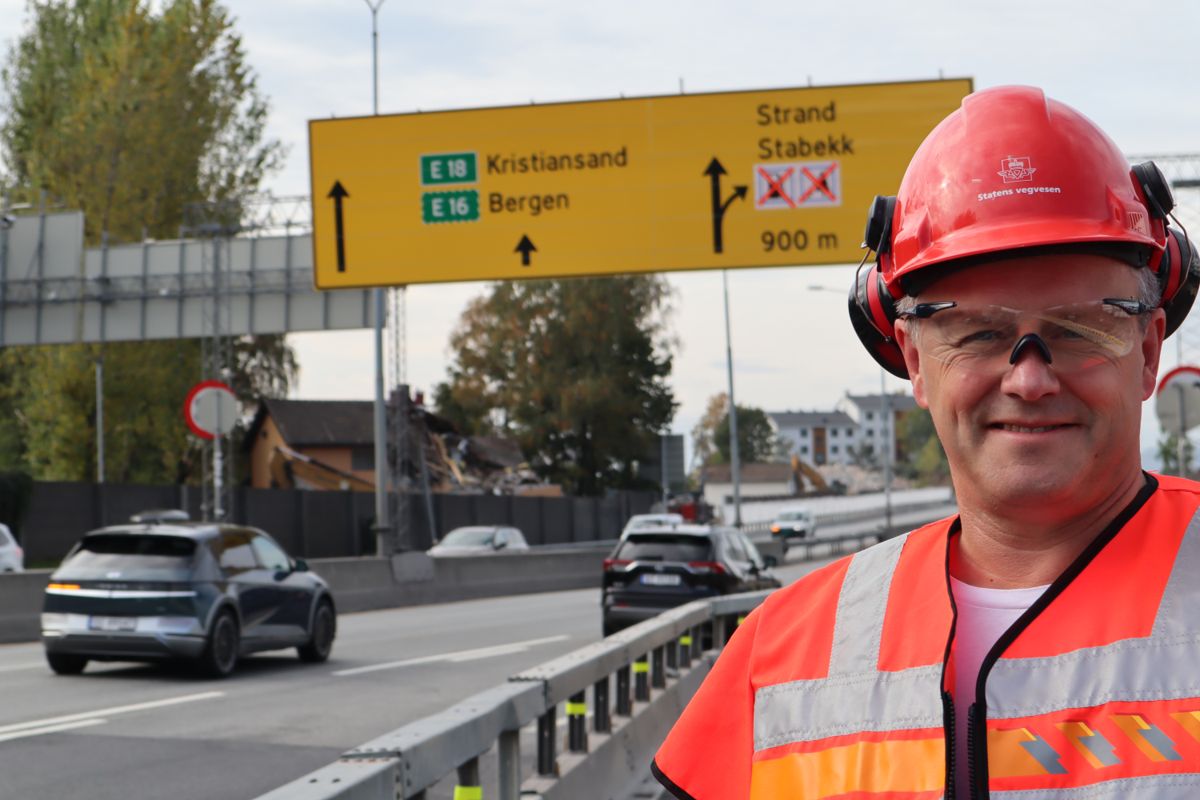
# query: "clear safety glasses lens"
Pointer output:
{"type": "Point", "coordinates": [983, 337]}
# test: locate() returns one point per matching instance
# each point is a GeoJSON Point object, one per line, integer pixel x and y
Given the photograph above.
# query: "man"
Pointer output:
{"type": "Point", "coordinates": [1045, 642]}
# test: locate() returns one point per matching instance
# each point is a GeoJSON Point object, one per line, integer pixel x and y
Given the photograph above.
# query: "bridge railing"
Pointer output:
{"type": "Point", "coordinates": [637, 680]}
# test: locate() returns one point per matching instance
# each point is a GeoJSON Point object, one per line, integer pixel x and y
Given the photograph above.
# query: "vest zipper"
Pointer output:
{"type": "Point", "coordinates": [951, 761]}
{"type": "Point", "coordinates": [976, 790]}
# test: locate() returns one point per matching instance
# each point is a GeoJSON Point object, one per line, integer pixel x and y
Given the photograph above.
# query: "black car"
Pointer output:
{"type": "Point", "coordinates": [205, 592]}
{"type": "Point", "coordinates": [655, 569]}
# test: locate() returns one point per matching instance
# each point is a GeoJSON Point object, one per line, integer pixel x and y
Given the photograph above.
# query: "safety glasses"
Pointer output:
{"type": "Point", "coordinates": [981, 337]}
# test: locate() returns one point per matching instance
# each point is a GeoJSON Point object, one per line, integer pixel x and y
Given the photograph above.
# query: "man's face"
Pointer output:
{"type": "Point", "coordinates": [1045, 436]}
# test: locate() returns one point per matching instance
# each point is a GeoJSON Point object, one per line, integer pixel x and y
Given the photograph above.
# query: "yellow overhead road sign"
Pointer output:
{"type": "Point", "coordinates": [736, 179]}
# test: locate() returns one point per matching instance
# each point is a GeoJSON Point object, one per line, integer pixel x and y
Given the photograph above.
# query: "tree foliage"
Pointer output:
{"type": "Point", "coordinates": [132, 112]}
{"type": "Point", "coordinates": [920, 454]}
{"type": "Point", "coordinates": [132, 115]}
{"type": "Point", "coordinates": [1168, 454]}
{"type": "Point", "coordinates": [704, 448]}
{"type": "Point", "coordinates": [755, 435]}
{"type": "Point", "coordinates": [574, 370]}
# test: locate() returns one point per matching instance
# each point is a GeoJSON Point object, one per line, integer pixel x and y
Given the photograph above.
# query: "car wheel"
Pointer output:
{"type": "Point", "coordinates": [320, 643]}
{"type": "Point", "coordinates": [66, 663]}
{"type": "Point", "coordinates": [221, 652]}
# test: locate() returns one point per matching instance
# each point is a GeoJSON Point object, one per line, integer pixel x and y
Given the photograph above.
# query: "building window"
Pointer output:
{"type": "Point", "coordinates": [833, 432]}
{"type": "Point", "coordinates": [870, 415]}
{"type": "Point", "coordinates": [834, 450]}
{"type": "Point", "coordinates": [870, 431]}
{"type": "Point", "coordinates": [362, 458]}
{"type": "Point", "coordinates": [804, 433]}
{"type": "Point", "coordinates": [849, 432]}
{"type": "Point", "coordinates": [803, 449]}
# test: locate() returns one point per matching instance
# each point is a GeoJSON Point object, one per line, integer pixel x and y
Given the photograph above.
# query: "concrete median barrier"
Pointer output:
{"type": "Point", "coordinates": [364, 584]}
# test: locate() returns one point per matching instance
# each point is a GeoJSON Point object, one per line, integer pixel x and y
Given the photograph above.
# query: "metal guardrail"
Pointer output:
{"type": "Point", "coordinates": [645, 659]}
{"type": "Point", "coordinates": [649, 661]}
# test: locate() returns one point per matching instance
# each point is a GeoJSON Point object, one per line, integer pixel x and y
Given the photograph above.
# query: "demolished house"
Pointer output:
{"type": "Point", "coordinates": [330, 445]}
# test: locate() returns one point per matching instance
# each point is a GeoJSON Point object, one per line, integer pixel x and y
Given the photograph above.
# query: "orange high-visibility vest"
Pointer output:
{"type": "Point", "coordinates": [839, 685]}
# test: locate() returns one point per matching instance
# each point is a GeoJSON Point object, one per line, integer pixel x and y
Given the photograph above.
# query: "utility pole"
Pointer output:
{"type": "Point", "coordinates": [384, 545]}
{"type": "Point", "coordinates": [735, 466]}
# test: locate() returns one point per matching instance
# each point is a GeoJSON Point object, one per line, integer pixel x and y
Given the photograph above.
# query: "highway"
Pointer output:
{"type": "Point", "coordinates": [128, 731]}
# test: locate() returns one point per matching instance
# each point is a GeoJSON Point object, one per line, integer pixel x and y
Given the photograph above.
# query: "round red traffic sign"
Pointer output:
{"type": "Point", "coordinates": [210, 409]}
{"type": "Point", "coordinates": [1177, 400]}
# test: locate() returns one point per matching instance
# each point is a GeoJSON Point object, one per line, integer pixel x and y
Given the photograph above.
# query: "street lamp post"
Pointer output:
{"type": "Point", "coordinates": [885, 412]}
{"type": "Point", "coordinates": [384, 544]}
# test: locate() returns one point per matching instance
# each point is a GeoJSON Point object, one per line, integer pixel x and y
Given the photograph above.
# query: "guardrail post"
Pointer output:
{"type": "Point", "coordinates": [673, 655]}
{"type": "Point", "coordinates": [509, 754]}
{"type": "Point", "coordinates": [577, 723]}
{"type": "Point", "coordinates": [658, 678]}
{"type": "Point", "coordinates": [469, 786]}
{"type": "Point", "coordinates": [641, 680]}
{"type": "Point", "coordinates": [685, 649]}
{"type": "Point", "coordinates": [697, 636]}
{"type": "Point", "coordinates": [601, 718]}
{"type": "Point", "coordinates": [624, 700]}
{"type": "Point", "coordinates": [547, 733]}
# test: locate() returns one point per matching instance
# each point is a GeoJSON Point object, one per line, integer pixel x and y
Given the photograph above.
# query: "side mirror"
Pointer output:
{"type": "Point", "coordinates": [299, 565]}
{"type": "Point", "coordinates": [770, 561]}
{"type": "Point", "coordinates": [499, 545]}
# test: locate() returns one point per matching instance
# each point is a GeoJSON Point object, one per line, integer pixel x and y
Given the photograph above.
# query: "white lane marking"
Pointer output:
{"type": "Point", "coordinates": [458, 656]}
{"type": "Point", "coordinates": [18, 667]}
{"type": "Point", "coordinates": [108, 712]}
{"type": "Point", "coordinates": [66, 726]}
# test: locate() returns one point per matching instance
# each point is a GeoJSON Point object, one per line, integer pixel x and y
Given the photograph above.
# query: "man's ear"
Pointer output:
{"type": "Point", "coordinates": [912, 360]}
{"type": "Point", "coordinates": [1152, 342]}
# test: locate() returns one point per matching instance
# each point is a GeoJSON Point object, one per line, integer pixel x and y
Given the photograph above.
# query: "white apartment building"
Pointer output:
{"type": "Point", "coordinates": [817, 437]}
{"type": "Point", "coordinates": [854, 429]}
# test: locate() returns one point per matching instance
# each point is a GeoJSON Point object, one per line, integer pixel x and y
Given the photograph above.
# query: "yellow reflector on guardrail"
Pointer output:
{"type": "Point", "coordinates": [468, 793]}
{"type": "Point", "coordinates": [576, 709]}
{"type": "Point", "coordinates": [641, 666]}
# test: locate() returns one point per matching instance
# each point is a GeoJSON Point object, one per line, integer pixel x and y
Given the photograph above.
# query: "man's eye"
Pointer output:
{"type": "Point", "coordinates": [980, 336]}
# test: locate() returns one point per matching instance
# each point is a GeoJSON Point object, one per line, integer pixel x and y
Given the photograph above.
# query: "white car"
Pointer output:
{"type": "Point", "coordinates": [476, 540]}
{"type": "Point", "coordinates": [12, 557]}
{"type": "Point", "coordinates": [641, 521]}
{"type": "Point", "coordinates": [793, 523]}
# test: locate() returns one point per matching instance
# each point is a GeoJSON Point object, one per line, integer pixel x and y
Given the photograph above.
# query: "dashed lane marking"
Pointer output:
{"type": "Point", "coordinates": [38, 727]}
{"type": "Point", "coordinates": [459, 656]}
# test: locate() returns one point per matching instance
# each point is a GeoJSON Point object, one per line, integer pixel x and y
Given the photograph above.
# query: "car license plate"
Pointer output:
{"type": "Point", "coordinates": [113, 623]}
{"type": "Point", "coordinates": [655, 579]}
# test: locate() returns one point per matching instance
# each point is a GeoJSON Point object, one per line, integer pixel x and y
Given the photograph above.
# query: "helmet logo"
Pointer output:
{"type": "Point", "coordinates": [1016, 169]}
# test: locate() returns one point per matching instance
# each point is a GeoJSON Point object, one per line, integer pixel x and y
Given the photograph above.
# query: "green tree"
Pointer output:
{"type": "Point", "coordinates": [704, 448]}
{"type": "Point", "coordinates": [756, 438]}
{"type": "Point", "coordinates": [132, 112]}
{"type": "Point", "coordinates": [921, 457]}
{"type": "Point", "coordinates": [574, 370]}
{"type": "Point", "coordinates": [1168, 453]}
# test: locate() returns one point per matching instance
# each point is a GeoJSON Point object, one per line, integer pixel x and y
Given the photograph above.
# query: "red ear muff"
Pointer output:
{"type": "Point", "coordinates": [1179, 274]}
{"type": "Point", "coordinates": [872, 309]}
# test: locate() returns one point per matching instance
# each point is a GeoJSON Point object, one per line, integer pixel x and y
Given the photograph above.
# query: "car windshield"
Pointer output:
{"type": "Point", "coordinates": [117, 556]}
{"type": "Point", "coordinates": [789, 515]}
{"type": "Point", "coordinates": [469, 537]}
{"type": "Point", "coordinates": [5, 537]}
{"type": "Point", "coordinates": [664, 547]}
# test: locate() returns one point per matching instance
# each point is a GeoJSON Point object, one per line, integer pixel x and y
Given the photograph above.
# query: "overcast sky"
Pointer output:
{"type": "Point", "coordinates": [1133, 72]}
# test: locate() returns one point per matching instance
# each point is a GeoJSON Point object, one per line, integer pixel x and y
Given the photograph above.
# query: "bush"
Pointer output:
{"type": "Point", "coordinates": [16, 489]}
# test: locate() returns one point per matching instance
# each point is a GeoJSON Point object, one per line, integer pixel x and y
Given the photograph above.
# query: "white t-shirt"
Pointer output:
{"type": "Point", "coordinates": [983, 616]}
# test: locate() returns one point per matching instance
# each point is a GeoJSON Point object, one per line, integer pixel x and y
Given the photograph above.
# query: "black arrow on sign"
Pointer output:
{"type": "Point", "coordinates": [337, 193]}
{"type": "Point", "coordinates": [525, 247]}
{"type": "Point", "coordinates": [714, 173]}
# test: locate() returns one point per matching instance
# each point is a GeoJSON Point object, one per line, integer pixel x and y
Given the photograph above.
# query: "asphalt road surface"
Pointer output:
{"type": "Point", "coordinates": [129, 731]}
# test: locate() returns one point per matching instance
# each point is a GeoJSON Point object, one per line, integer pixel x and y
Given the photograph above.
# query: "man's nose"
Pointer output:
{"type": "Point", "coordinates": [1030, 376]}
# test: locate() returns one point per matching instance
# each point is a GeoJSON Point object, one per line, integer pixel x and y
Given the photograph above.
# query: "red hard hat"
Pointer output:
{"type": "Point", "coordinates": [1013, 169]}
